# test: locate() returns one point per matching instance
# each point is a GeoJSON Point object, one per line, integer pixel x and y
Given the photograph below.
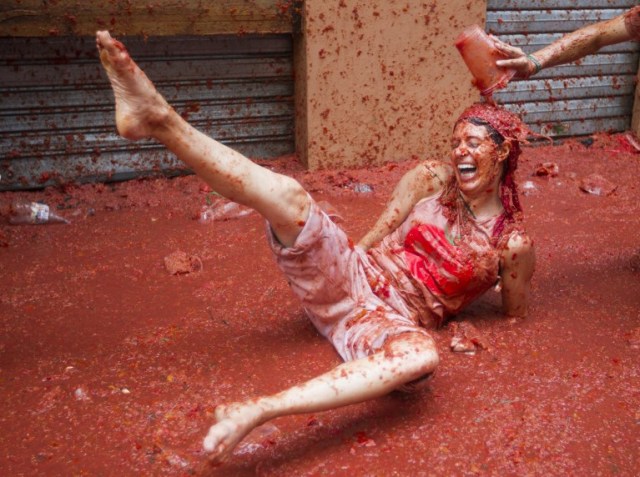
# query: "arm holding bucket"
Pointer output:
{"type": "Point", "coordinates": [571, 47]}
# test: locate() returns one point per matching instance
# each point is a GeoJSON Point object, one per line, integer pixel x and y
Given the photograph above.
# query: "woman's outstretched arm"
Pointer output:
{"type": "Point", "coordinates": [517, 264]}
{"type": "Point", "coordinates": [571, 47]}
{"type": "Point", "coordinates": [422, 181]}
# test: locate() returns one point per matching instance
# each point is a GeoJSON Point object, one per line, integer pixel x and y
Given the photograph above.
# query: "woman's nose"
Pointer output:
{"type": "Point", "coordinates": [460, 151]}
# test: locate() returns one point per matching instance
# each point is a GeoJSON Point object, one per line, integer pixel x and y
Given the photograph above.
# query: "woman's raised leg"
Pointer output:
{"type": "Point", "coordinates": [405, 358]}
{"type": "Point", "coordinates": [142, 112]}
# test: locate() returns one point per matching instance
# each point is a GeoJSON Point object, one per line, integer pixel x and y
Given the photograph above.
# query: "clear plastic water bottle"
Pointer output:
{"type": "Point", "coordinates": [222, 209]}
{"type": "Point", "coordinates": [26, 213]}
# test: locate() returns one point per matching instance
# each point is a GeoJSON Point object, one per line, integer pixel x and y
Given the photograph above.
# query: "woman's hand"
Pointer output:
{"type": "Point", "coordinates": [524, 65]}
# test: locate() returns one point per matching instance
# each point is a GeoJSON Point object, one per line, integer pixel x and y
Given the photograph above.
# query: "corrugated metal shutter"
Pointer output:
{"type": "Point", "coordinates": [57, 116]}
{"type": "Point", "coordinates": [575, 99]}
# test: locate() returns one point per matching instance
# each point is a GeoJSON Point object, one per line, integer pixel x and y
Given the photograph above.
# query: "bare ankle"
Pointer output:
{"type": "Point", "coordinates": [161, 117]}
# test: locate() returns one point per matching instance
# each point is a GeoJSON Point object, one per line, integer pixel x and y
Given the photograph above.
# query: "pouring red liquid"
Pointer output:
{"type": "Point", "coordinates": [480, 55]}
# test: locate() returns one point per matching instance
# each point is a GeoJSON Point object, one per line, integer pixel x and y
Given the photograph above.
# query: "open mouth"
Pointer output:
{"type": "Point", "coordinates": [466, 170]}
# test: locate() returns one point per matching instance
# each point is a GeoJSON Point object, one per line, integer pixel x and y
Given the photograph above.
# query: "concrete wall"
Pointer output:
{"type": "Point", "coordinates": [380, 80]}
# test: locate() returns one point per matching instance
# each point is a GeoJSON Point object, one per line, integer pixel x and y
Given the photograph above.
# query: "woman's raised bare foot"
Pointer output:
{"type": "Point", "coordinates": [233, 423]}
{"type": "Point", "coordinates": [140, 109]}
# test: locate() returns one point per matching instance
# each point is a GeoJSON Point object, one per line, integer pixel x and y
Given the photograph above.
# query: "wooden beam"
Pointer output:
{"type": "Point", "coordinates": [37, 18]}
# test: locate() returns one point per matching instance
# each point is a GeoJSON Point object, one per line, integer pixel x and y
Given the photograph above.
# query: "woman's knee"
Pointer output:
{"type": "Point", "coordinates": [419, 358]}
{"type": "Point", "coordinates": [288, 212]}
{"type": "Point", "coordinates": [293, 194]}
{"type": "Point", "coordinates": [417, 352]}
{"type": "Point", "coordinates": [276, 194]}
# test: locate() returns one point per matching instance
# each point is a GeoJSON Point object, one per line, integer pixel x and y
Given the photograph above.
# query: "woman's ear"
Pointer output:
{"type": "Point", "coordinates": [504, 150]}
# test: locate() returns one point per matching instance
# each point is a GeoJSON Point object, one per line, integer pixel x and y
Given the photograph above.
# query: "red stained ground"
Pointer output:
{"type": "Point", "coordinates": [109, 365]}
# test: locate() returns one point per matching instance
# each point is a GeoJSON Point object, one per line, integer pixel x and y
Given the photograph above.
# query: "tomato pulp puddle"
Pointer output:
{"type": "Point", "coordinates": [112, 366]}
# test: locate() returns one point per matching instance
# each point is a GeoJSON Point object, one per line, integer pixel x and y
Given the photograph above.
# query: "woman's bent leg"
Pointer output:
{"type": "Point", "coordinates": [403, 359]}
{"type": "Point", "coordinates": [142, 112]}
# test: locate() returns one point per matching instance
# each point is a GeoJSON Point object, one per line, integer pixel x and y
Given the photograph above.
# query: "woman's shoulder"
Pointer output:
{"type": "Point", "coordinates": [437, 170]}
{"type": "Point", "coordinates": [429, 178]}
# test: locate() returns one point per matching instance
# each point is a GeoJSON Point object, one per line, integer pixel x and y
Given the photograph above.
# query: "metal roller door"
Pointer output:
{"type": "Point", "coordinates": [57, 114]}
{"type": "Point", "coordinates": [595, 94]}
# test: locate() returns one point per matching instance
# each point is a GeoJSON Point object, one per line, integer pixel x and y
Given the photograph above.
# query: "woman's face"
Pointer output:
{"type": "Point", "coordinates": [476, 159]}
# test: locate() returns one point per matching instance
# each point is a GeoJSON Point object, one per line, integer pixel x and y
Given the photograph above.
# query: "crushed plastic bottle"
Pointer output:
{"type": "Point", "coordinates": [25, 213]}
{"type": "Point", "coordinates": [529, 188]}
{"type": "Point", "coordinates": [362, 188]}
{"type": "Point", "coordinates": [222, 210]}
{"type": "Point", "coordinates": [595, 184]}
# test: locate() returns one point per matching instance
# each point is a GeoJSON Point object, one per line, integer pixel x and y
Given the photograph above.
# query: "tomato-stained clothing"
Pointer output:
{"type": "Point", "coordinates": [440, 265]}
{"type": "Point", "coordinates": [331, 278]}
{"type": "Point", "coordinates": [419, 275]}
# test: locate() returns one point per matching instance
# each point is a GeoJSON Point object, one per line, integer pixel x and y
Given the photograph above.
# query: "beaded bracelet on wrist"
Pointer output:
{"type": "Point", "coordinates": [536, 63]}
